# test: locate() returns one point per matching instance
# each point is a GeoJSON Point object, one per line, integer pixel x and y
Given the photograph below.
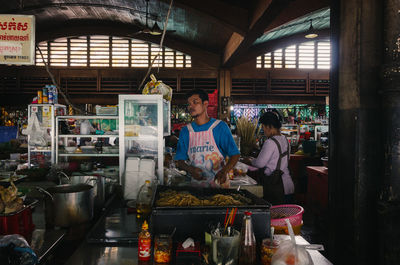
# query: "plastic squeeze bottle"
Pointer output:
{"type": "Point", "coordinates": [144, 243]}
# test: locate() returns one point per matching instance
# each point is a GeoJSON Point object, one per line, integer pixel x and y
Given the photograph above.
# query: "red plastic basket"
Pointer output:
{"type": "Point", "coordinates": [286, 211]}
{"type": "Point", "coordinates": [19, 222]}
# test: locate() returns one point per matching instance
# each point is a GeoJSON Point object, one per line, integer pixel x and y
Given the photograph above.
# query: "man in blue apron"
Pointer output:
{"type": "Point", "coordinates": [205, 143]}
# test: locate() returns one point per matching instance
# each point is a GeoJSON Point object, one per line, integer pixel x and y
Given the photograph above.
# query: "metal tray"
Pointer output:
{"type": "Point", "coordinates": [256, 202]}
{"type": "Point", "coordinates": [193, 221]}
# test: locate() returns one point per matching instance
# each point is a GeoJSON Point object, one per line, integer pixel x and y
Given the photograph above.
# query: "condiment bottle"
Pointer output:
{"type": "Point", "coordinates": [247, 241]}
{"type": "Point", "coordinates": [144, 248]}
{"type": "Point", "coordinates": [143, 202]}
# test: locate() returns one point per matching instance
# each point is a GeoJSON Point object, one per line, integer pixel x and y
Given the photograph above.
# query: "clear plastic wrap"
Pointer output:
{"type": "Point", "coordinates": [38, 134]}
{"type": "Point", "coordinates": [289, 253]}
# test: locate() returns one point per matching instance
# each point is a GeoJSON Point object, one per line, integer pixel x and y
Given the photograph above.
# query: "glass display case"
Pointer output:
{"type": "Point", "coordinates": [86, 136]}
{"type": "Point", "coordinates": [291, 131]}
{"type": "Point", "coordinates": [44, 155]}
{"type": "Point", "coordinates": [321, 133]}
{"type": "Point", "coordinates": [143, 121]}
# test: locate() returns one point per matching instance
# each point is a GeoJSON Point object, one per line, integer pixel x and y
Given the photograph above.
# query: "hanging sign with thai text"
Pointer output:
{"type": "Point", "coordinates": [17, 39]}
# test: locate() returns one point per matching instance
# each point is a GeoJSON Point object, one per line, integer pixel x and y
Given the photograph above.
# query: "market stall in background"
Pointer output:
{"type": "Point", "coordinates": [80, 176]}
{"type": "Point", "coordinates": [120, 155]}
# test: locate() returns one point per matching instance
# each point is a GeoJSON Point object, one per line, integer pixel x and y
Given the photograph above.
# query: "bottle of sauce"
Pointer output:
{"type": "Point", "coordinates": [247, 241]}
{"type": "Point", "coordinates": [144, 246]}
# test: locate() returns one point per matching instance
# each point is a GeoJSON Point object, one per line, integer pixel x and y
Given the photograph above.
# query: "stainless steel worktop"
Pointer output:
{"type": "Point", "coordinates": [96, 254]}
{"type": "Point", "coordinates": [124, 254]}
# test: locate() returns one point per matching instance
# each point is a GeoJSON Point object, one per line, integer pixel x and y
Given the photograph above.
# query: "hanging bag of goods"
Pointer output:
{"type": "Point", "coordinates": [155, 86]}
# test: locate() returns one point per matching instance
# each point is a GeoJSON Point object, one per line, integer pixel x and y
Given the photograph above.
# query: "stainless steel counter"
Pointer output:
{"type": "Point", "coordinates": [44, 241]}
{"type": "Point", "coordinates": [96, 254]}
{"type": "Point", "coordinates": [124, 254]}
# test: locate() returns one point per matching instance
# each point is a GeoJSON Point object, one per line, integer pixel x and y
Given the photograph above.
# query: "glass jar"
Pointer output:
{"type": "Point", "coordinates": [162, 248]}
{"type": "Point", "coordinates": [268, 249]}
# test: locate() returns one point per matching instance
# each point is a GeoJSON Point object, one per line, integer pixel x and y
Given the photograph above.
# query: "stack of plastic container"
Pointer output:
{"type": "Point", "coordinates": [137, 171]}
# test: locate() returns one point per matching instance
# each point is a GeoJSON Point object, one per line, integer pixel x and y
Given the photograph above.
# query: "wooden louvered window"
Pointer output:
{"type": "Point", "coordinates": [188, 61]}
{"type": "Point", "coordinates": [106, 51]}
{"type": "Point", "coordinates": [58, 52]}
{"type": "Point", "coordinates": [155, 51]}
{"type": "Point", "coordinates": [324, 55]}
{"type": "Point", "coordinates": [179, 59]}
{"type": "Point", "coordinates": [307, 55]}
{"type": "Point", "coordinates": [169, 58]}
{"type": "Point", "coordinates": [43, 49]}
{"type": "Point", "coordinates": [99, 51]}
{"type": "Point", "coordinates": [278, 58]}
{"type": "Point", "coordinates": [120, 52]}
{"type": "Point", "coordinates": [290, 56]}
{"type": "Point", "coordinates": [78, 51]}
{"type": "Point", "coordinates": [140, 54]}
{"type": "Point", "coordinates": [268, 60]}
{"type": "Point", "coordinates": [259, 62]}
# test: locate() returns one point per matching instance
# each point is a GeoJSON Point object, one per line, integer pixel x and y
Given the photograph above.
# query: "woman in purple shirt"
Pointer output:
{"type": "Point", "coordinates": [273, 161]}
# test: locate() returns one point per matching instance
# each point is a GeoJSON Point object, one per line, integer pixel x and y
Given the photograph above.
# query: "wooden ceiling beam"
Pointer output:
{"type": "Point", "coordinates": [267, 16]}
{"type": "Point", "coordinates": [257, 50]}
{"type": "Point", "coordinates": [81, 28]}
{"type": "Point", "coordinates": [232, 17]}
{"type": "Point", "coordinates": [260, 20]}
{"type": "Point", "coordinates": [295, 10]}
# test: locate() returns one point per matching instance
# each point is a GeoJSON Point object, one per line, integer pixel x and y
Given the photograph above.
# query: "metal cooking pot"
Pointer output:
{"type": "Point", "coordinates": [98, 183]}
{"type": "Point", "coordinates": [68, 205]}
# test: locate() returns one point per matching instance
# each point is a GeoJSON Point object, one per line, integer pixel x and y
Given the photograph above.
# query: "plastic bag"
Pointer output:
{"type": "Point", "coordinates": [289, 253]}
{"type": "Point", "coordinates": [15, 250]}
{"type": "Point", "coordinates": [38, 134]}
{"type": "Point", "coordinates": [240, 169]}
{"type": "Point", "coordinates": [155, 86]}
{"type": "Point", "coordinates": [86, 127]}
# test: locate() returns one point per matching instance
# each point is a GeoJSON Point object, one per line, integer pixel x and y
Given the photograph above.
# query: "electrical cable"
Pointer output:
{"type": "Point", "coordinates": [161, 44]}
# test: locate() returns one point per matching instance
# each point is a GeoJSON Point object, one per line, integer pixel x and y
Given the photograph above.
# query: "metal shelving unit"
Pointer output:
{"type": "Point", "coordinates": [64, 137]}
{"type": "Point", "coordinates": [46, 114]}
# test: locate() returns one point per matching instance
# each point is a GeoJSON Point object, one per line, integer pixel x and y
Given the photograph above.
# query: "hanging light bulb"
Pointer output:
{"type": "Point", "coordinates": [156, 30]}
{"type": "Point", "coordinates": [311, 33]}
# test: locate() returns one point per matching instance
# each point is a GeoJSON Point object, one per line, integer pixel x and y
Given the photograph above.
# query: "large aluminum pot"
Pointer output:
{"type": "Point", "coordinates": [98, 183]}
{"type": "Point", "coordinates": [68, 205]}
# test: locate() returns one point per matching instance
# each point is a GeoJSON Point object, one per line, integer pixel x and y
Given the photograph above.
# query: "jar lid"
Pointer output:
{"type": "Point", "coordinates": [247, 213]}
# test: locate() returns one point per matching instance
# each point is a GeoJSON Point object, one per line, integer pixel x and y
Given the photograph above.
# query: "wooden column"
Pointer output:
{"type": "Point", "coordinates": [224, 89]}
{"type": "Point", "coordinates": [355, 160]}
{"type": "Point", "coordinates": [389, 195]}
